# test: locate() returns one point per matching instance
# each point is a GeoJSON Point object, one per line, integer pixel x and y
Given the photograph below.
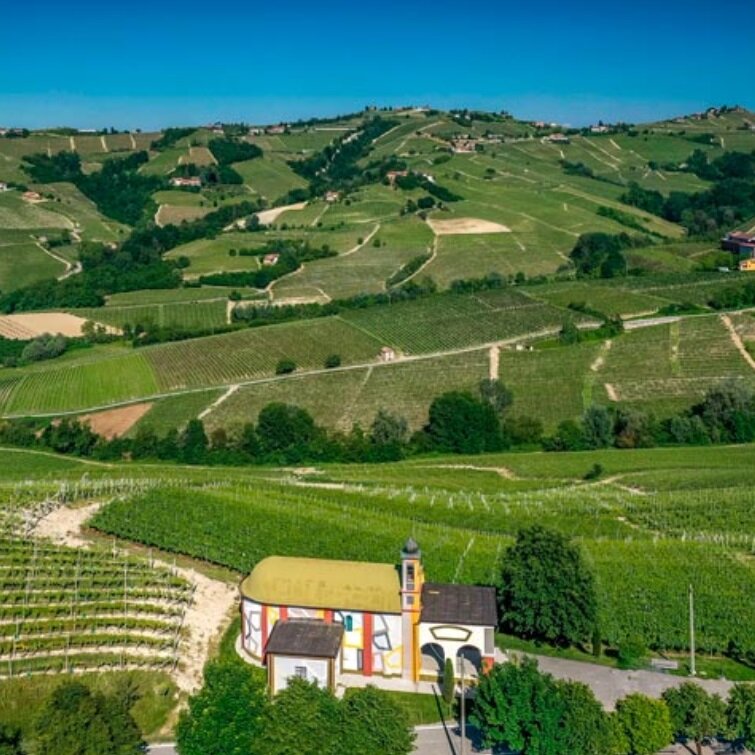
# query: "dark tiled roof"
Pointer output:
{"type": "Point", "coordinates": [459, 604]}
{"type": "Point", "coordinates": [305, 637]}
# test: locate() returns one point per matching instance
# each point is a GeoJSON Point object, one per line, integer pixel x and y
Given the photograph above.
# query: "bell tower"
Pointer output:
{"type": "Point", "coordinates": [412, 577]}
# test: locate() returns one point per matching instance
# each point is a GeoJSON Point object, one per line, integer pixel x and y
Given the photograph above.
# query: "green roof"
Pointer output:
{"type": "Point", "coordinates": [322, 583]}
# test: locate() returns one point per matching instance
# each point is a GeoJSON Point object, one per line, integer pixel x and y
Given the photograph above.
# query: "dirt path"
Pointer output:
{"type": "Point", "coordinates": [364, 243]}
{"type": "Point", "coordinates": [133, 141]}
{"type": "Point", "coordinates": [601, 358]}
{"type": "Point", "coordinates": [504, 472]}
{"type": "Point", "coordinates": [103, 142]}
{"type": "Point", "coordinates": [314, 223]}
{"type": "Point", "coordinates": [218, 401]}
{"type": "Point", "coordinates": [736, 339]}
{"type": "Point", "coordinates": [426, 263]}
{"type": "Point", "coordinates": [72, 143]}
{"type": "Point", "coordinates": [611, 391]}
{"type": "Point", "coordinates": [206, 617]}
{"type": "Point", "coordinates": [71, 269]}
{"type": "Point", "coordinates": [266, 217]}
{"type": "Point", "coordinates": [495, 354]}
{"type": "Point", "coordinates": [615, 144]}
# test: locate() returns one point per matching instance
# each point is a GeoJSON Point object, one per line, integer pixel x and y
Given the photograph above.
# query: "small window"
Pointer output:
{"type": "Point", "coordinates": [348, 623]}
{"type": "Point", "coordinates": [410, 600]}
{"type": "Point", "coordinates": [300, 672]}
{"type": "Point", "coordinates": [410, 576]}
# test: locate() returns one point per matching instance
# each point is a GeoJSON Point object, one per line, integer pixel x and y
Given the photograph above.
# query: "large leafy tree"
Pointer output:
{"type": "Point", "coordinates": [374, 724]}
{"type": "Point", "coordinates": [302, 717]}
{"type": "Point", "coordinates": [645, 724]}
{"type": "Point", "coordinates": [460, 423]}
{"type": "Point", "coordinates": [695, 714]}
{"type": "Point", "coordinates": [518, 707]}
{"type": "Point", "coordinates": [548, 591]}
{"type": "Point", "coordinates": [522, 709]}
{"type": "Point", "coordinates": [285, 430]}
{"type": "Point", "coordinates": [225, 716]}
{"type": "Point", "coordinates": [76, 721]}
{"type": "Point", "coordinates": [740, 714]}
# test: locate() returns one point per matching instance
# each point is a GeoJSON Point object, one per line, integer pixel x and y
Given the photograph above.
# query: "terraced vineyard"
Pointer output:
{"type": "Point", "coordinates": [190, 315]}
{"type": "Point", "coordinates": [457, 321]}
{"type": "Point", "coordinates": [69, 610]}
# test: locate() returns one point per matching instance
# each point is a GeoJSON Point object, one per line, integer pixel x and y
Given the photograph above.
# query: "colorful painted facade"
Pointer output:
{"type": "Point", "coordinates": [395, 624]}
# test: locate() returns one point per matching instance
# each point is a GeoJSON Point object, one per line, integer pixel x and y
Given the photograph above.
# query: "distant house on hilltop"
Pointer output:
{"type": "Point", "coordinates": [464, 146]}
{"type": "Point", "coordinates": [270, 259]}
{"type": "Point", "coordinates": [279, 129]}
{"type": "Point", "coordinates": [192, 182]}
{"type": "Point", "coordinates": [392, 175]}
{"type": "Point", "coordinates": [740, 243]}
{"type": "Point", "coordinates": [332, 196]}
{"type": "Point", "coordinates": [387, 354]}
{"type": "Point", "coordinates": [4, 186]}
{"type": "Point", "coordinates": [558, 138]}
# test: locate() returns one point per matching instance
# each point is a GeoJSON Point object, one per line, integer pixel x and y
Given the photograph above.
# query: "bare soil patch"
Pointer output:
{"type": "Point", "coordinates": [26, 326]}
{"type": "Point", "coordinates": [112, 423]}
{"type": "Point", "coordinates": [455, 226]}
{"type": "Point", "coordinates": [270, 216]}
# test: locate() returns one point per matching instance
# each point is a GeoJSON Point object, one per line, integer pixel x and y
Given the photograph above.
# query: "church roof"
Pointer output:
{"type": "Point", "coordinates": [458, 604]}
{"type": "Point", "coordinates": [323, 583]}
{"type": "Point", "coordinates": [305, 637]}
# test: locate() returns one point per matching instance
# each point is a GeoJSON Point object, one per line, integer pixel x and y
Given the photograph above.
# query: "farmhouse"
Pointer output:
{"type": "Point", "coordinates": [4, 186]}
{"type": "Point", "coordinates": [740, 243]}
{"type": "Point", "coordinates": [324, 620]}
{"type": "Point", "coordinates": [270, 259]}
{"type": "Point", "coordinates": [279, 129]}
{"type": "Point", "coordinates": [558, 138]}
{"type": "Point", "coordinates": [332, 196]}
{"type": "Point", "coordinates": [748, 265]}
{"type": "Point", "coordinates": [464, 146]}
{"type": "Point", "coordinates": [193, 182]}
{"type": "Point", "coordinates": [392, 175]}
{"type": "Point", "coordinates": [31, 196]}
{"type": "Point", "coordinates": [387, 354]}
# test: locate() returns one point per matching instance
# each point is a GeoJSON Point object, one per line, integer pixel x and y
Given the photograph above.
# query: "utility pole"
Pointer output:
{"type": "Point", "coordinates": [463, 707]}
{"type": "Point", "coordinates": [692, 669]}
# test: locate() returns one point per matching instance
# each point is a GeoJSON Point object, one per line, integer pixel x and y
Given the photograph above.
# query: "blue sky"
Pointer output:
{"type": "Point", "coordinates": [139, 64]}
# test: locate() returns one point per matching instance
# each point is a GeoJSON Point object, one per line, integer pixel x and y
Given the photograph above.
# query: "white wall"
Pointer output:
{"type": "Point", "coordinates": [452, 637]}
{"type": "Point", "coordinates": [251, 636]}
{"type": "Point", "coordinates": [284, 667]}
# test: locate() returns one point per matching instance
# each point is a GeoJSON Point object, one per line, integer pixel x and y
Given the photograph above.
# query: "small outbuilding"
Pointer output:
{"type": "Point", "coordinates": [308, 649]}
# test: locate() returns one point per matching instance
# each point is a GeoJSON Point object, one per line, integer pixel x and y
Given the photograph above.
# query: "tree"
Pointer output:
{"type": "Point", "coordinates": [302, 717]}
{"type": "Point", "coordinates": [740, 714]}
{"type": "Point", "coordinates": [547, 592]}
{"type": "Point", "coordinates": [10, 741]}
{"type": "Point", "coordinates": [695, 714]}
{"type": "Point", "coordinates": [519, 708]}
{"type": "Point", "coordinates": [332, 360]}
{"type": "Point", "coordinates": [495, 393]}
{"type": "Point", "coordinates": [448, 688]}
{"type": "Point", "coordinates": [586, 729]}
{"type": "Point", "coordinates": [373, 723]}
{"type": "Point", "coordinates": [75, 721]}
{"type": "Point", "coordinates": [388, 435]}
{"type": "Point", "coordinates": [285, 429]}
{"type": "Point", "coordinates": [225, 717]}
{"type": "Point", "coordinates": [193, 442]}
{"type": "Point", "coordinates": [460, 423]}
{"type": "Point", "coordinates": [285, 367]}
{"type": "Point", "coordinates": [597, 427]}
{"type": "Point", "coordinates": [645, 724]}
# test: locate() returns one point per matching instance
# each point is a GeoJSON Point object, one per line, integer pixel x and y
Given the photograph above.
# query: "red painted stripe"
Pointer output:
{"type": "Point", "coordinates": [367, 644]}
{"type": "Point", "coordinates": [263, 628]}
{"type": "Point", "coordinates": [328, 617]}
{"type": "Point", "coordinates": [284, 613]}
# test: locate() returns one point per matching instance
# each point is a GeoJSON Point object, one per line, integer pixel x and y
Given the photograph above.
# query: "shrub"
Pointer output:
{"type": "Point", "coordinates": [332, 360]}
{"type": "Point", "coordinates": [285, 367]}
